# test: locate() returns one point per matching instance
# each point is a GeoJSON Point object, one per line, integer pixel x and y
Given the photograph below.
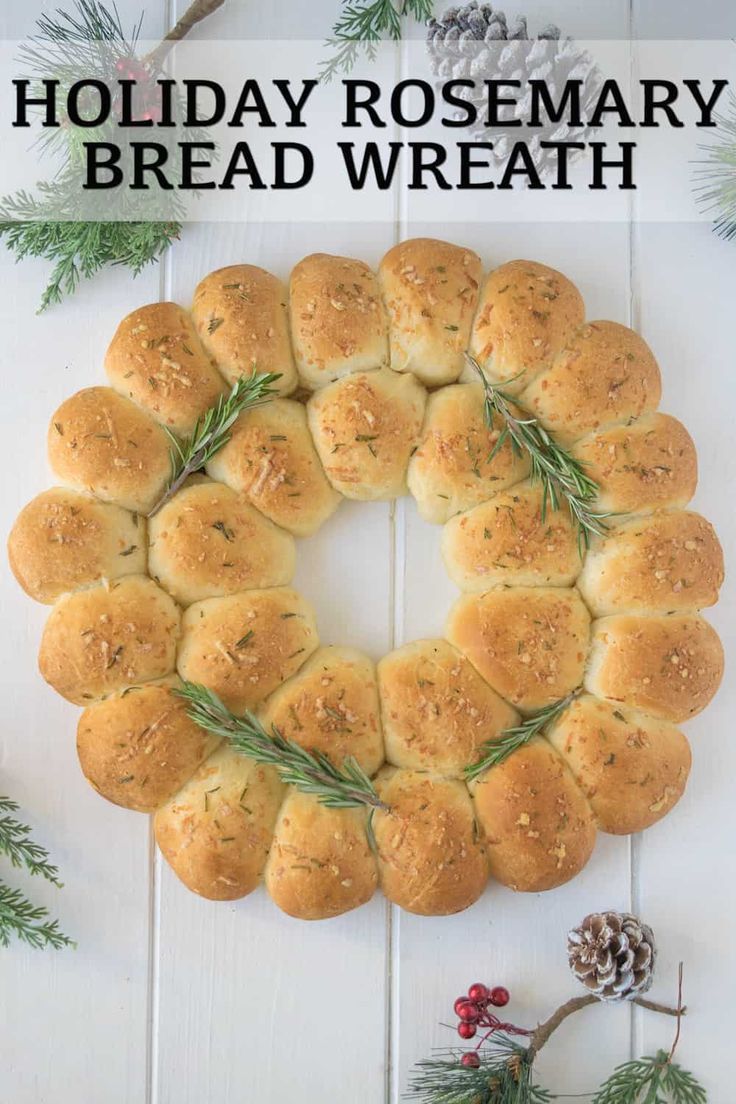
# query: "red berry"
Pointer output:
{"type": "Point", "coordinates": [458, 1002]}
{"type": "Point", "coordinates": [478, 992]}
{"type": "Point", "coordinates": [471, 1060]}
{"type": "Point", "coordinates": [499, 996]}
{"type": "Point", "coordinates": [468, 1010]}
{"type": "Point", "coordinates": [466, 1030]}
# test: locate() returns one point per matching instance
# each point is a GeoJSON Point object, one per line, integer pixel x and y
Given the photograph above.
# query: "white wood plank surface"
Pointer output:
{"type": "Point", "coordinates": [170, 999]}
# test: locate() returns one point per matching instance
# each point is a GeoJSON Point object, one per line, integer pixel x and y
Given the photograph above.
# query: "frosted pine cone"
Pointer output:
{"type": "Point", "coordinates": [612, 954]}
{"type": "Point", "coordinates": [476, 42]}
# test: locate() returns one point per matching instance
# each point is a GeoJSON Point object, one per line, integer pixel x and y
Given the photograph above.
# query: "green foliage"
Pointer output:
{"type": "Point", "coordinates": [495, 751]}
{"type": "Point", "coordinates": [212, 430]}
{"type": "Point", "coordinates": [18, 916]}
{"type": "Point", "coordinates": [656, 1080]}
{"type": "Point", "coordinates": [362, 25]}
{"type": "Point", "coordinates": [504, 1076]}
{"type": "Point", "coordinates": [716, 178]}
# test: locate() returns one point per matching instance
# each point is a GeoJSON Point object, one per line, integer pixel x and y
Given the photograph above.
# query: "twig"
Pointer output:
{"type": "Point", "coordinates": [195, 13]}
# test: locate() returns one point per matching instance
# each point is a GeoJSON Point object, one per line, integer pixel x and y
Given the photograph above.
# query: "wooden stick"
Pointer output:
{"type": "Point", "coordinates": [195, 13]}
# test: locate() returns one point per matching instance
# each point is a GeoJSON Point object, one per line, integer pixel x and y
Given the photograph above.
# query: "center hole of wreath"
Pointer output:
{"type": "Point", "coordinates": [374, 575]}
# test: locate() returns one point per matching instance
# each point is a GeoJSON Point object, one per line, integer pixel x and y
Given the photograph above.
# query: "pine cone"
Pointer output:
{"type": "Point", "coordinates": [613, 954]}
{"type": "Point", "coordinates": [467, 42]}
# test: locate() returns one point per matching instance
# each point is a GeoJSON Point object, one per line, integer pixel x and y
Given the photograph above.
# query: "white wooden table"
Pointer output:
{"type": "Point", "coordinates": [170, 999]}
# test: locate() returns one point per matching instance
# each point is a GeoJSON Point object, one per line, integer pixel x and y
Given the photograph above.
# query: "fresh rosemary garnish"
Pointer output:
{"type": "Point", "coordinates": [309, 771]}
{"type": "Point", "coordinates": [561, 475]}
{"type": "Point", "coordinates": [212, 430]}
{"type": "Point", "coordinates": [18, 916]}
{"type": "Point", "coordinates": [494, 752]}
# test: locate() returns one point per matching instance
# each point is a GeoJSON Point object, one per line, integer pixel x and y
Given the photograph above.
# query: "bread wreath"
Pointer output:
{"type": "Point", "coordinates": [382, 405]}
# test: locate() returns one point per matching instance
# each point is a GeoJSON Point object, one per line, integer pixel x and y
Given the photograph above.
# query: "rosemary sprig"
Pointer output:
{"type": "Point", "coordinates": [561, 475]}
{"type": "Point", "coordinates": [19, 848]}
{"type": "Point", "coordinates": [495, 751]}
{"type": "Point", "coordinates": [362, 25]}
{"type": "Point", "coordinates": [309, 771]}
{"type": "Point", "coordinates": [18, 916]}
{"type": "Point", "coordinates": [212, 430]}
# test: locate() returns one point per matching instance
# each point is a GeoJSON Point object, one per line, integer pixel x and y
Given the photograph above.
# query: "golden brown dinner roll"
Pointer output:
{"type": "Point", "coordinates": [331, 706]}
{"type": "Point", "coordinates": [338, 324]}
{"type": "Point", "coordinates": [632, 768]}
{"type": "Point", "coordinates": [655, 564]}
{"type": "Point", "coordinates": [645, 466]}
{"type": "Point", "coordinates": [526, 313]}
{"type": "Point", "coordinates": [240, 315]}
{"type": "Point", "coordinates": [605, 373]}
{"type": "Point", "coordinates": [453, 469]}
{"type": "Point", "coordinates": [529, 643]}
{"type": "Point", "coordinates": [100, 442]}
{"type": "Point", "coordinates": [138, 748]}
{"type": "Point", "coordinates": [364, 428]}
{"type": "Point", "coordinates": [667, 666]}
{"type": "Point", "coordinates": [64, 540]}
{"type": "Point", "coordinates": [246, 645]}
{"type": "Point", "coordinates": [97, 641]}
{"type": "Point", "coordinates": [431, 290]}
{"type": "Point", "coordinates": [156, 360]}
{"type": "Point", "coordinates": [271, 460]}
{"type": "Point", "coordinates": [320, 864]}
{"type": "Point", "coordinates": [216, 831]}
{"type": "Point", "coordinates": [437, 711]}
{"type": "Point", "coordinates": [508, 541]}
{"type": "Point", "coordinates": [537, 826]}
{"type": "Point", "coordinates": [208, 541]}
{"type": "Point", "coordinates": [430, 860]}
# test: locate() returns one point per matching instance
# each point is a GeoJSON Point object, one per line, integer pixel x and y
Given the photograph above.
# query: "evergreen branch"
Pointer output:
{"type": "Point", "coordinates": [28, 922]}
{"type": "Point", "coordinates": [560, 474]}
{"type": "Point", "coordinates": [362, 24]}
{"type": "Point", "coordinates": [19, 848]}
{"type": "Point", "coordinates": [510, 740]}
{"type": "Point", "coordinates": [716, 177]}
{"type": "Point", "coordinates": [652, 1080]}
{"type": "Point", "coordinates": [504, 1076]}
{"type": "Point", "coordinates": [212, 430]}
{"type": "Point", "coordinates": [309, 771]}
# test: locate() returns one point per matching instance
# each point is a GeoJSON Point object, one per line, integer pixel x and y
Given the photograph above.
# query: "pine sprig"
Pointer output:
{"type": "Point", "coordinates": [716, 176]}
{"type": "Point", "coordinates": [212, 430]}
{"type": "Point", "coordinates": [653, 1080]}
{"type": "Point", "coordinates": [362, 24]}
{"type": "Point", "coordinates": [16, 845]}
{"type": "Point", "coordinates": [495, 751]}
{"type": "Point", "coordinates": [309, 771]}
{"type": "Point", "coordinates": [28, 922]}
{"type": "Point", "coordinates": [561, 475]}
{"type": "Point", "coordinates": [504, 1076]}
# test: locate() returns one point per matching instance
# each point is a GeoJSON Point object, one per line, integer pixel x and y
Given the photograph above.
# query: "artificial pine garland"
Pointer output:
{"type": "Point", "coordinates": [716, 177]}
{"type": "Point", "coordinates": [19, 917]}
{"type": "Point", "coordinates": [362, 24]}
{"type": "Point", "coordinates": [89, 40]}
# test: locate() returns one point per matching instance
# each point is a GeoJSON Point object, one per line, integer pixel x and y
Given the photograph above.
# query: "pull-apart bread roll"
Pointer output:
{"type": "Point", "coordinates": [216, 831]}
{"type": "Point", "coordinates": [320, 863]}
{"type": "Point", "coordinates": [537, 826]}
{"type": "Point", "coordinates": [529, 643]}
{"type": "Point", "coordinates": [271, 460]}
{"type": "Point", "coordinates": [437, 710]}
{"type": "Point", "coordinates": [669, 667]}
{"type": "Point", "coordinates": [208, 541]}
{"type": "Point", "coordinates": [100, 640]}
{"type": "Point", "coordinates": [648, 465]}
{"type": "Point", "coordinates": [246, 645]}
{"type": "Point", "coordinates": [454, 467]}
{"type": "Point", "coordinates": [138, 748]}
{"type": "Point", "coordinates": [156, 360]}
{"type": "Point", "coordinates": [65, 540]}
{"type": "Point", "coordinates": [240, 315]}
{"type": "Point", "coordinates": [605, 373]}
{"type": "Point", "coordinates": [668, 562]}
{"type": "Point", "coordinates": [506, 541]}
{"type": "Point", "coordinates": [430, 859]}
{"type": "Point", "coordinates": [331, 706]}
{"type": "Point", "coordinates": [365, 427]}
{"type": "Point", "coordinates": [631, 768]}
{"type": "Point", "coordinates": [527, 312]}
{"type": "Point", "coordinates": [431, 290]}
{"type": "Point", "coordinates": [338, 324]}
{"type": "Point", "coordinates": [100, 442]}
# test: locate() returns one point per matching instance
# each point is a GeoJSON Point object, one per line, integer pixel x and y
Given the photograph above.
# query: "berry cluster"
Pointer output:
{"type": "Point", "coordinates": [472, 1010]}
{"type": "Point", "coordinates": [145, 89]}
